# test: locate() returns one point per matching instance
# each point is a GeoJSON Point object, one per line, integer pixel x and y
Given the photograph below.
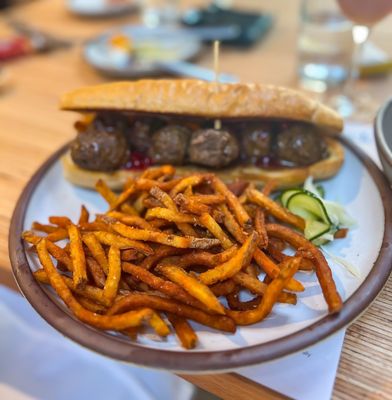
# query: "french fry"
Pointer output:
{"type": "Point", "coordinates": [188, 205]}
{"type": "Point", "coordinates": [208, 199]}
{"type": "Point", "coordinates": [84, 215]}
{"type": "Point", "coordinates": [91, 305]}
{"type": "Point", "coordinates": [242, 216]}
{"type": "Point", "coordinates": [169, 215]}
{"type": "Point", "coordinates": [209, 223]}
{"type": "Point", "coordinates": [232, 266]}
{"type": "Point", "coordinates": [94, 226]}
{"type": "Point", "coordinates": [162, 238]}
{"type": "Point", "coordinates": [138, 300]}
{"type": "Point", "coordinates": [269, 187]}
{"type": "Point", "coordinates": [148, 184]}
{"type": "Point", "coordinates": [159, 325]}
{"type": "Point", "coordinates": [96, 272]}
{"type": "Point", "coordinates": [162, 252]}
{"type": "Point", "coordinates": [257, 287]}
{"type": "Point", "coordinates": [168, 202]}
{"type": "Point", "coordinates": [124, 196]}
{"type": "Point", "coordinates": [90, 292]}
{"type": "Point", "coordinates": [184, 331]}
{"type": "Point", "coordinates": [236, 304]}
{"type": "Point", "coordinates": [97, 251]}
{"type": "Point", "coordinates": [115, 322]}
{"type": "Point", "coordinates": [189, 181]}
{"type": "Point", "coordinates": [138, 204]}
{"type": "Point", "coordinates": [129, 255]}
{"type": "Point", "coordinates": [133, 220]}
{"type": "Point", "coordinates": [168, 288]}
{"type": "Point", "coordinates": [270, 296]}
{"type": "Point", "coordinates": [77, 256]}
{"type": "Point", "coordinates": [260, 228]}
{"type": "Point", "coordinates": [128, 209]}
{"type": "Point", "coordinates": [275, 209]}
{"type": "Point", "coordinates": [223, 288]}
{"type": "Point", "coordinates": [61, 222]}
{"type": "Point", "coordinates": [113, 278]}
{"type": "Point", "coordinates": [323, 271]}
{"type": "Point", "coordinates": [58, 235]}
{"type": "Point", "coordinates": [110, 239]}
{"type": "Point", "coordinates": [36, 226]}
{"type": "Point", "coordinates": [193, 286]}
{"type": "Point", "coordinates": [103, 189]}
{"type": "Point", "coordinates": [158, 172]}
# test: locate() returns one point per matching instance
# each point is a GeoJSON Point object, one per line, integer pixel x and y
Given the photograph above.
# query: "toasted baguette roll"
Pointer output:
{"type": "Point", "coordinates": [204, 99]}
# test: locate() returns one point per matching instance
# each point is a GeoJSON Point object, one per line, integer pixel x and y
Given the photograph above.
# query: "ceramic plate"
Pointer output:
{"type": "Point", "coordinates": [359, 186]}
{"type": "Point", "coordinates": [160, 44]}
{"type": "Point", "coordinates": [100, 8]}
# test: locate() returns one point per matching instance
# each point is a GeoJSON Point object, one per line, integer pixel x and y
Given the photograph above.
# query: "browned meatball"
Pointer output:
{"type": "Point", "coordinates": [99, 150]}
{"type": "Point", "coordinates": [255, 142]}
{"type": "Point", "coordinates": [213, 148]}
{"type": "Point", "coordinates": [139, 136]}
{"type": "Point", "coordinates": [169, 145]}
{"type": "Point", "coordinates": [299, 145]}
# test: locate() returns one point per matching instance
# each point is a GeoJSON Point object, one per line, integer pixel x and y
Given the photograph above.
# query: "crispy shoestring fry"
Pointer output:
{"type": "Point", "coordinates": [323, 271]}
{"type": "Point", "coordinates": [177, 249]}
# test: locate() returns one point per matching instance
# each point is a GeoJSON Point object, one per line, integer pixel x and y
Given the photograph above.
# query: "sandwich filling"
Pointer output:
{"type": "Point", "coordinates": [108, 141]}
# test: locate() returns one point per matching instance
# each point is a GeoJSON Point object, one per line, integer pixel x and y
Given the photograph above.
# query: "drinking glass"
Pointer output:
{"type": "Point", "coordinates": [156, 13]}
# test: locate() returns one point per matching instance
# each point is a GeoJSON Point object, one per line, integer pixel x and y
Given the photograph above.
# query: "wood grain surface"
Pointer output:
{"type": "Point", "coordinates": [32, 127]}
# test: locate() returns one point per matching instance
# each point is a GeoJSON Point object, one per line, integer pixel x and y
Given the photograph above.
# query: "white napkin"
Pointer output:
{"type": "Point", "coordinates": [37, 362]}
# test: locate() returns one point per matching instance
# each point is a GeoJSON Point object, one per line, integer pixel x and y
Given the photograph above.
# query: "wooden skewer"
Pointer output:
{"type": "Point", "coordinates": [217, 122]}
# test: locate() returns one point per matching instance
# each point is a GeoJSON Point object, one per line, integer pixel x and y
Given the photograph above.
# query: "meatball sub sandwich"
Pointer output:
{"type": "Point", "coordinates": [265, 132]}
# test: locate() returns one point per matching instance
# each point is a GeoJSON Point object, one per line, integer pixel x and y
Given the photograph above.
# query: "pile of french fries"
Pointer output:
{"type": "Point", "coordinates": [169, 250]}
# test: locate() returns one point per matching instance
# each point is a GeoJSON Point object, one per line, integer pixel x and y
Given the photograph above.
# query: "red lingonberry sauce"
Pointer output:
{"type": "Point", "coordinates": [138, 161]}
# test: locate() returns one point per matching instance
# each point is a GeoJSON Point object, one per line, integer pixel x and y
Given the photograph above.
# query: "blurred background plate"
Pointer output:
{"type": "Point", "coordinates": [148, 48]}
{"type": "Point", "coordinates": [101, 8]}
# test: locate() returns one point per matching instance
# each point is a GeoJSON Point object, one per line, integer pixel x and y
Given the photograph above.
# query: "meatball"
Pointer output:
{"type": "Point", "coordinates": [139, 137]}
{"type": "Point", "coordinates": [255, 142]}
{"type": "Point", "coordinates": [213, 148]}
{"type": "Point", "coordinates": [298, 145]}
{"type": "Point", "coordinates": [169, 145]}
{"type": "Point", "coordinates": [111, 121]}
{"type": "Point", "coordinates": [97, 149]}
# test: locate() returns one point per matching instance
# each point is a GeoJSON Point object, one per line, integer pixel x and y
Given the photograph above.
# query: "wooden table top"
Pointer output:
{"type": "Point", "coordinates": [32, 127]}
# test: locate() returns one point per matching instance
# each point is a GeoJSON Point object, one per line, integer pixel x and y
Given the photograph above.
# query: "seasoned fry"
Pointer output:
{"type": "Point", "coordinates": [133, 220]}
{"type": "Point", "coordinates": [84, 215]}
{"type": "Point", "coordinates": [193, 286]}
{"type": "Point", "coordinates": [323, 271]}
{"type": "Point", "coordinates": [169, 203]}
{"type": "Point", "coordinates": [208, 222]}
{"type": "Point", "coordinates": [275, 209]}
{"type": "Point", "coordinates": [208, 199]}
{"type": "Point", "coordinates": [232, 266]}
{"type": "Point", "coordinates": [270, 296]}
{"type": "Point", "coordinates": [56, 236]}
{"type": "Point", "coordinates": [232, 200]}
{"type": "Point", "coordinates": [116, 322]}
{"type": "Point", "coordinates": [169, 215]}
{"type": "Point", "coordinates": [193, 207]}
{"type": "Point", "coordinates": [159, 325]}
{"type": "Point", "coordinates": [97, 251]}
{"type": "Point", "coordinates": [36, 226]}
{"type": "Point", "coordinates": [189, 181]}
{"type": "Point", "coordinates": [96, 272]}
{"type": "Point", "coordinates": [113, 278]}
{"type": "Point", "coordinates": [158, 172]}
{"type": "Point", "coordinates": [77, 256]}
{"type": "Point", "coordinates": [168, 288]}
{"type": "Point", "coordinates": [103, 189]}
{"type": "Point", "coordinates": [174, 248]}
{"type": "Point", "coordinates": [223, 288]}
{"type": "Point", "coordinates": [184, 331]}
{"type": "Point", "coordinates": [110, 239]}
{"type": "Point", "coordinates": [61, 222]}
{"type": "Point", "coordinates": [168, 240]}
{"type": "Point", "coordinates": [260, 228]}
{"type": "Point", "coordinates": [90, 292]}
{"type": "Point", "coordinates": [138, 300]}
{"type": "Point", "coordinates": [257, 287]}
{"type": "Point", "coordinates": [269, 187]}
